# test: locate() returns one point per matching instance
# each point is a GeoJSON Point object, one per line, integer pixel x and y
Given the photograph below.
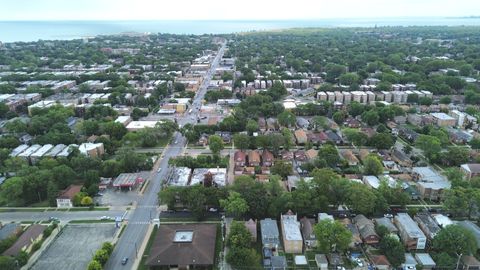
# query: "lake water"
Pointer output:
{"type": "Point", "coordinates": [47, 30]}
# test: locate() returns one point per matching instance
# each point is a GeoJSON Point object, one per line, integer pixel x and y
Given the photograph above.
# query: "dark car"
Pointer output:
{"type": "Point", "coordinates": [124, 260]}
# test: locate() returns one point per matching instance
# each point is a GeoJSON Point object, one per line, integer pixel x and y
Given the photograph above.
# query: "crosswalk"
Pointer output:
{"type": "Point", "coordinates": [139, 223]}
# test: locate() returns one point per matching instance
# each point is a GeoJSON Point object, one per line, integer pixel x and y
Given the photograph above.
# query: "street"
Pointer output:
{"type": "Point", "coordinates": [147, 206]}
{"type": "Point", "coordinates": [63, 216]}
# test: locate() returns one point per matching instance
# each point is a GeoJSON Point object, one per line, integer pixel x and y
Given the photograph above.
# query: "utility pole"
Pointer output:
{"type": "Point", "coordinates": [458, 260]}
{"type": "Point", "coordinates": [136, 250]}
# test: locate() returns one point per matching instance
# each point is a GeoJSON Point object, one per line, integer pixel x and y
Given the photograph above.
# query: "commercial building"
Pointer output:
{"type": "Point", "coordinates": [65, 199]}
{"type": "Point", "coordinates": [292, 237]}
{"type": "Point", "coordinates": [179, 176]}
{"type": "Point", "coordinates": [411, 235]}
{"type": "Point", "coordinates": [127, 181]}
{"type": "Point", "coordinates": [183, 246]}
{"type": "Point", "coordinates": [209, 176]}
{"type": "Point", "coordinates": [139, 125]}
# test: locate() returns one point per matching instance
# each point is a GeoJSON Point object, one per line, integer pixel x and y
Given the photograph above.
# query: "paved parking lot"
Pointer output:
{"type": "Point", "coordinates": [114, 197]}
{"type": "Point", "coordinates": [74, 247]}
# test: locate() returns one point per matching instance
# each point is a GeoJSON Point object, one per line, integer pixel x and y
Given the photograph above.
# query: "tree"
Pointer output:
{"type": "Point", "coordinates": [239, 236]}
{"type": "Point", "coordinates": [361, 199]}
{"type": "Point", "coordinates": [373, 165]}
{"type": "Point", "coordinates": [251, 126]}
{"type": "Point", "coordinates": [234, 205]}
{"type": "Point", "coordinates": [339, 117]}
{"type": "Point", "coordinates": [455, 240]}
{"type": "Point", "coordinates": [445, 100]}
{"type": "Point", "coordinates": [86, 201]}
{"type": "Point", "coordinates": [286, 119]}
{"type": "Point", "coordinates": [240, 258]}
{"type": "Point", "coordinates": [370, 117]}
{"type": "Point", "coordinates": [332, 236]}
{"type": "Point", "coordinates": [349, 79]}
{"type": "Point", "coordinates": [282, 168]}
{"type": "Point", "coordinates": [430, 145]}
{"type": "Point", "coordinates": [94, 265]}
{"type": "Point", "coordinates": [393, 250]}
{"type": "Point", "coordinates": [330, 154]}
{"type": "Point", "coordinates": [107, 246]}
{"type": "Point", "coordinates": [355, 108]}
{"type": "Point", "coordinates": [355, 136]}
{"type": "Point", "coordinates": [101, 256]}
{"type": "Point", "coordinates": [456, 155]}
{"type": "Point", "coordinates": [215, 143]}
{"type": "Point", "coordinates": [445, 260]}
{"type": "Point", "coordinates": [241, 141]}
{"type": "Point", "coordinates": [462, 201]}
{"type": "Point", "coordinates": [382, 141]}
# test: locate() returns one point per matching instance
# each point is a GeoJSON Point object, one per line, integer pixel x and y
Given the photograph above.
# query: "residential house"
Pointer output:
{"type": "Point", "coordinates": [367, 229]}
{"type": "Point", "coordinates": [272, 124]}
{"type": "Point", "coordinates": [380, 262]}
{"type": "Point", "coordinates": [253, 158]}
{"type": "Point", "coordinates": [408, 134]}
{"type": "Point", "coordinates": [32, 235]}
{"type": "Point", "coordinates": [350, 158]}
{"type": "Point", "coordinates": [309, 237]}
{"type": "Point", "coordinates": [333, 137]}
{"type": "Point", "coordinates": [409, 263]}
{"type": "Point", "coordinates": [401, 158]}
{"type": "Point", "coordinates": [322, 262]}
{"type": "Point", "coordinates": [269, 233]}
{"type": "Point", "coordinates": [387, 223]}
{"type": "Point", "coordinates": [300, 156]}
{"type": "Point", "coordinates": [425, 260]}
{"type": "Point", "coordinates": [470, 170]}
{"type": "Point", "coordinates": [267, 158]}
{"type": "Point", "coordinates": [292, 237]}
{"type": "Point", "coordinates": [410, 234]}
{"type": "Point", "coordinates": [240, 158]}
{"type": "Point", "coordinates": [301, 136]}
{"type": "Point", "coordinates": [311, 154]}
{"type": "Point", "coordinates": [469, 262]}
{"type": "Point", "coordinates": [65, 199]}
{"type": "Point", "coordinates": [252, 228]}
{"type": "Point", "coordinates": [335, 260]}
{"type": "Point", "coordinates": [225, 135]}
{"type": "Point", "coordinates": [428, 225]}
{"type": "Point", "coordinates": [287, 155]}
{"type": "Point", "coordinates": [443, 119]}
{"type": "Point", "coordinates": [352, 123]}
{"type": "Point", "coordinates": [302, 123]}
{"type": "Point", "coordinates": [317, 138]}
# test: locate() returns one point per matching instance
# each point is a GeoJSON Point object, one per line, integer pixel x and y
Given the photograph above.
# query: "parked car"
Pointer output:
{"type": "Point", "coordinates": [124, 260]}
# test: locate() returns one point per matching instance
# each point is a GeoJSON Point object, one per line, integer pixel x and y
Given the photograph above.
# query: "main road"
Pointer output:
{"type": "Point", "coordinates": [147, 206]}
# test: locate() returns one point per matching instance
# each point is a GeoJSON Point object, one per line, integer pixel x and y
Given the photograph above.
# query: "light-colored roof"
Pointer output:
{"type": "Point", "coordinates": [42, 150]}
{"type": "Point", "coordinates": [180, 176]}
{"type": "Point", "coordinates": [291, 227]}
{"type": "Point", "coordinates": [301, 260]}
{"type": "Point", "coordinates": [219, 175]}
{"type": "Point", "coordinates": [424, 259]}
{"type": "Point", "coordinates": [442, 116]}
{"type": "Point", "coordinates": [410, 227]}
{"type": "Point", "coordinates": [372, 181]}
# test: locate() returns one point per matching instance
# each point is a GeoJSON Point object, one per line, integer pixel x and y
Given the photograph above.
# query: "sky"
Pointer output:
{"type": "Point", "coordinates": [231, 10]}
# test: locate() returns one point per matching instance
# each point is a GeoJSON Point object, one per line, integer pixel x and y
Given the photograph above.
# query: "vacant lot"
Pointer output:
{"type": "Point", "coordinates": [75, 246]}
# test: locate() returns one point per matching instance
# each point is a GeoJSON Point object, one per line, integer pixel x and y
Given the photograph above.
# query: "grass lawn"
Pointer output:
{"type": "Point", "coordinates": [91, 221]}
{"type": "Point", "coordinates": [73, 209]}
{"type": "Point", "coordinates": [22, 209]}
{"type": "Point", "coordinates": [145, 255]}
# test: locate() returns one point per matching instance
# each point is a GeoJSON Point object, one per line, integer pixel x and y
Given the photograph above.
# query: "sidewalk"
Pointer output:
{"type": "Point", "coordinates": [141, 249]}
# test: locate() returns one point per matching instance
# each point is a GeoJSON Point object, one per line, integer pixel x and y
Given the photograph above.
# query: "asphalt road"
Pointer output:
{"type": "Point", "coordinates": [147, 206]}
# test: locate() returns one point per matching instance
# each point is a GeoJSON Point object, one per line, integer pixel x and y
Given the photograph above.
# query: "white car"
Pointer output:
{"type": "Point", "coordinates": [159, 170]}
{"type": "Point", "coordinates": [359, 262]}
{"type": "Point", "coordinates": [388, 215]}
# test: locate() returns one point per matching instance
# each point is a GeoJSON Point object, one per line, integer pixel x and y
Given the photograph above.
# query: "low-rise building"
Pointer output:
{"type": "Point", "coordinates": [309, 237]}
{"type": "Point", "coordinates": [469, 262]}
{"type": "Point", "coordinates": [92, 149]}
{"type": "Point", "coordinates": [443, 120]}
{"type": "Point", "coordinates": [269, 233]}
{"type": "Point", "coordinates": [410, 234]}
{"type": "Point", "coordinates": [251, 226]}
{"type": "Point", "coordinates": [366, 229]}
{"type": "Point", "coordinates": [470, 170]}
{"type": "Point", "coordinates": [430, 183]}
{"type": "Point", "coordinates": [32, 235]}
{"type": "Point", "coordinates": [178, 176]}
{"type": "Point", "coordinates": [65, 199]}
{"type": "Point", "coordinates": [292, 237]}
{"type": "Point", "coordinates": [425, 260]}
{"type": "Point", "coordinates": [209, 177]}
{"type": "Point", "coordinates": [427, 224]}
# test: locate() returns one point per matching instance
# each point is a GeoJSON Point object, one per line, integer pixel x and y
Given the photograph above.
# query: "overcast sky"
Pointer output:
{"type": "Point", "coordinates": [225, 10]}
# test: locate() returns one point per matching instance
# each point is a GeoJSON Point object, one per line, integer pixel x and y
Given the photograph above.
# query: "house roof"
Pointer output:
{"type": "Point", "coordinates": [70, 192]}
{"type": "Point", "coordinates": [307, 228]}
{"type": "Point", "coordinates": [253, 156]}
{"type": "Point", "coordinates": [472, 167]}
{"type": "Point", "coordinates": [170, 247]}
{"type": "Point", "coordinates": [311, 153]}
{"type": "Point", "coordinates": [267, 155]}
{"type": "Point", "coordinates": [239, 156]}
{"type": "Point", "coordinates": [379, 260]}
{"type": "Point", "coordinates": [33, 232]}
